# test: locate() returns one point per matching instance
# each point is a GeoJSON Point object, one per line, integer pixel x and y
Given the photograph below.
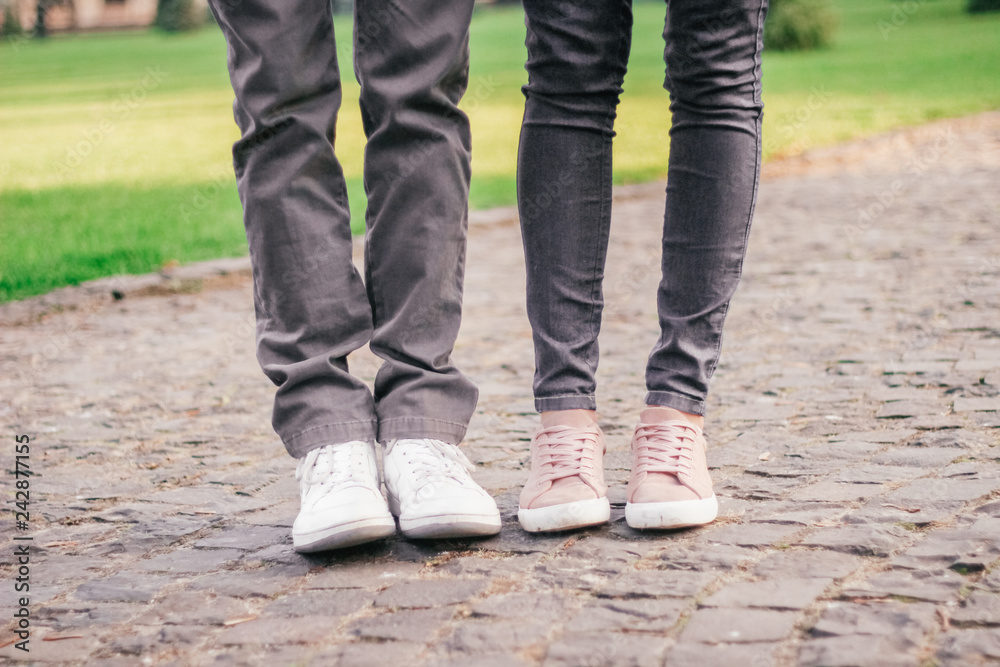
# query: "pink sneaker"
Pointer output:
{"type": "Point", "coordinates": [566, 486]}
{"type": "Point", "coordinates": [669, 486]}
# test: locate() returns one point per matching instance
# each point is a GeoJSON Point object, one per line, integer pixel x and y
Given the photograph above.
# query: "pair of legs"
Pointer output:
{"type": "Point", "coordinates": [312, 307]}
{"type": "Point", "coordinates": [577, 58]}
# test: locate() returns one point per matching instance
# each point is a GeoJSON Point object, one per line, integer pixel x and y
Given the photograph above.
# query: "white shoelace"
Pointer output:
{"type": "Point", "coordinates": [332, 465]}
{"type": "Point", "coordinates": [432, 460]}
{"type": "Point", "coordinates": [564, 451]}
{"type": "Point", "coordinates": [667, 448]}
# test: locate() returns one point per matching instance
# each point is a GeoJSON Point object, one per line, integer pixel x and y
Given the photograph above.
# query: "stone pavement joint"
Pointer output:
{"type": "Point", "coordinates": [854, 431]}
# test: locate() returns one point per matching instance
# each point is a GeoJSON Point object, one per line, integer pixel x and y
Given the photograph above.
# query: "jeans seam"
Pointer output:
{"type": "Point", "coordinates": [674, 393]}
{"type": "Point", "coordinates": [422, 419]}
{"type": "Point", "coordinates": [545, 398]}
{"type": "Point", "coordinates": [758, 44]}
{"type": "Point", "coordinates": [700, 402]}
{"type": "Point", "coordinates": [604, 229]}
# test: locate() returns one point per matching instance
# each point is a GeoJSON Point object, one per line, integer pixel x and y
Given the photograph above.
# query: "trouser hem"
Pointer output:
{"type": "Point", "coordinates": [421, 427]}
{"type": "Point", "coordinates": [573, 402]}
{"type": "Point", "coordinates": [667, 399]}
{"type": "Point", "coordinates": [329, 434]}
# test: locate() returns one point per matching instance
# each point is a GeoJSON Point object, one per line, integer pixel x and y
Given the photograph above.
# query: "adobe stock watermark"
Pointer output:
{"type": "Point", "coordinates": [902, 12]}
{"type": "Point", "coordinates": [789, 130]}
{"type": "Point", "coordinates": [479, 90]}
{"type": "Point", "coordinates": [121, 108]}
{"type": "Point", "coordinates": [206, 193]}
{"type": "Point", "coordinates": [914, 169]}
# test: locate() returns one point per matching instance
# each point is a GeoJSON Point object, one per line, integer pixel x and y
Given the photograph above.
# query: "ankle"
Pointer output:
{"type": "Point", "coordinates": [572, 418]}
{"type": "Point", "coordinates": [656, 414]}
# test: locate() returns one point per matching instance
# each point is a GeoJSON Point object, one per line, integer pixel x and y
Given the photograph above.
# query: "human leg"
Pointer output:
{"type": "Point", "coordinates": [577, 55]}
{"type": "Point", "coordinates": [412, 62]}
{"type": "Point", "coordinates": [310, 302]}
{"type": "Point", "coordinates": [713, 75]}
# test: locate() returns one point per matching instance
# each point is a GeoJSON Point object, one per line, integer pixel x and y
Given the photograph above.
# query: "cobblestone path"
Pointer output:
{"type": "Point", "coordinates": [854, 439]}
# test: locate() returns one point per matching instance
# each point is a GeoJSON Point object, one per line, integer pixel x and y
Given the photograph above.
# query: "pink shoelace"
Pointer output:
{"type": "Point", "coordinates": [564, 451]}
{"type": "Point", "coordinates": [667, 447]}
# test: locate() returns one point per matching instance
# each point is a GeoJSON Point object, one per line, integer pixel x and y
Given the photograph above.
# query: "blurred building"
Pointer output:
{"type": "Point", "coordinates": [88, 14]}
{"type": "Point", "coordinates": [68, 15]}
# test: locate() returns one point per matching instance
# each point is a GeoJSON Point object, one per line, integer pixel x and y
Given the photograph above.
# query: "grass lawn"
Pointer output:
{"type": "Point", "coordinates": [114, 148]}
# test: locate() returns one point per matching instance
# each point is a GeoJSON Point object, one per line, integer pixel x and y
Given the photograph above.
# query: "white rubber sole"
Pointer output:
{"type": "Point", "coordinates": [447, 526]}
{"type": "Point", "coordinates": [344, 535]}
{"type": "Point", "coordinates": [678, 514]}
{"type": "Point", "coordinates": [566, 516]}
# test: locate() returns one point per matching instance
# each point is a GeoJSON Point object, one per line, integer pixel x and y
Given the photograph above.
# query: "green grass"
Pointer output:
{"type": "Point", "coordinates": [114, 149]}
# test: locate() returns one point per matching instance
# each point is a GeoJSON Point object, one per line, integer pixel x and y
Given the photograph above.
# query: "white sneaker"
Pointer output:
{"type": "Point", "coordinates": [431, 492]}
{"type": "Point", "coordinates": [342, 504]}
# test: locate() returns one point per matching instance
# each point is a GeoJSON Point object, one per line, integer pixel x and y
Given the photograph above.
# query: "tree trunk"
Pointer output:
{"type": "Point", "coordinates": [40, 8]}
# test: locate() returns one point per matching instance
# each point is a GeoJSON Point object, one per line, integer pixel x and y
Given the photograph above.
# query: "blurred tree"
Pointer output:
{"type": "Point", "coordinates": [178, 15]}
{"type": "Point", "coordinates": [978, 6]}
{"type": "Point", "coordinates": [11, 21]}
{"type": "Point", "coordinates": [41, 8]}
{"type": "Point", "coordinates": [799, 25]}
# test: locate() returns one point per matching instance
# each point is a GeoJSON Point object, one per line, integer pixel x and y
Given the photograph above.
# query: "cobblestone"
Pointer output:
{"type": "Point", "coordinates": [970, 646]}
{"type": "Point", "coordinates": [854, 430]}
{"type": "Point", "coordinates": [981, 608]}
{"type": "Point", "coordinates": [721, 655]}
{"type": "Point", "coordinates": [189, 560]}
{"type": "Point", "coordinates": [497, 637]}
{"type": "Point", "coordinates": [300, 630]}
{"type": "Point", "coordinates": [429, 593]}
{"type": "Point", "coordinates": [901, 621]}
{"type": "Point", "coordinates": [606, 649]}
{"type": "Point", "coordinates": [850, 652]}
{"type": "Point", "coordinates": [520, 605]}
{"type": "Point", "coordinates": [774, 594]}
{"type": "Point", "coordinates": [641, 615]}
{"type": "Point", "coordinates": [737, 626]}
{"type": "Point", "coordinates": [120, 588]}
{"type": "Point", "coordinates": [656, 584]}
{"type": "Point", "coordinates": [863, 540]}
{"type": "Point", "coordinates": [413, 625]}
{"type": "Point", "coordinates": [804, 563]}
{"type": "Point", "coordinates": [192, 608]}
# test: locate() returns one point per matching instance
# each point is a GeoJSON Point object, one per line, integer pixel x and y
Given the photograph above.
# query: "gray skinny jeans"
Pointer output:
{"type": "Point", "coordinates": [312, 307]}
{"type": "Point", "coordinates": [577, 57]}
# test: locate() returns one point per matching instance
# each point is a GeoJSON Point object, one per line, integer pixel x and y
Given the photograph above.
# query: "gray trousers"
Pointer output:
{"type": "Point", "coordinates": [312, 307]}
{"type": "Point", "coordinates": [577, 57]}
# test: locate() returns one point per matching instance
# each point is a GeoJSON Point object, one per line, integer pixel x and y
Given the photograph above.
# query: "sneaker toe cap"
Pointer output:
{"type": "Point", "coordinates": [446, 501]}
{"type": "Point", "coordinates": [350, 503]}
{"type": "Point", "coordinates": [660, 488]}
{"type": "Point", "coordinates": [561, 492]}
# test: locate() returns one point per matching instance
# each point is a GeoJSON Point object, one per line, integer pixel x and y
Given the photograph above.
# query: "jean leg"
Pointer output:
{"type": "Point", "coordinates": [412, 60]}
{"type": "Point", "coordinates": [713, 50]}
{"type": "Point", "coordinates": [310, 302]}
{"type": "Point", "coordinates": [577, 56]}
